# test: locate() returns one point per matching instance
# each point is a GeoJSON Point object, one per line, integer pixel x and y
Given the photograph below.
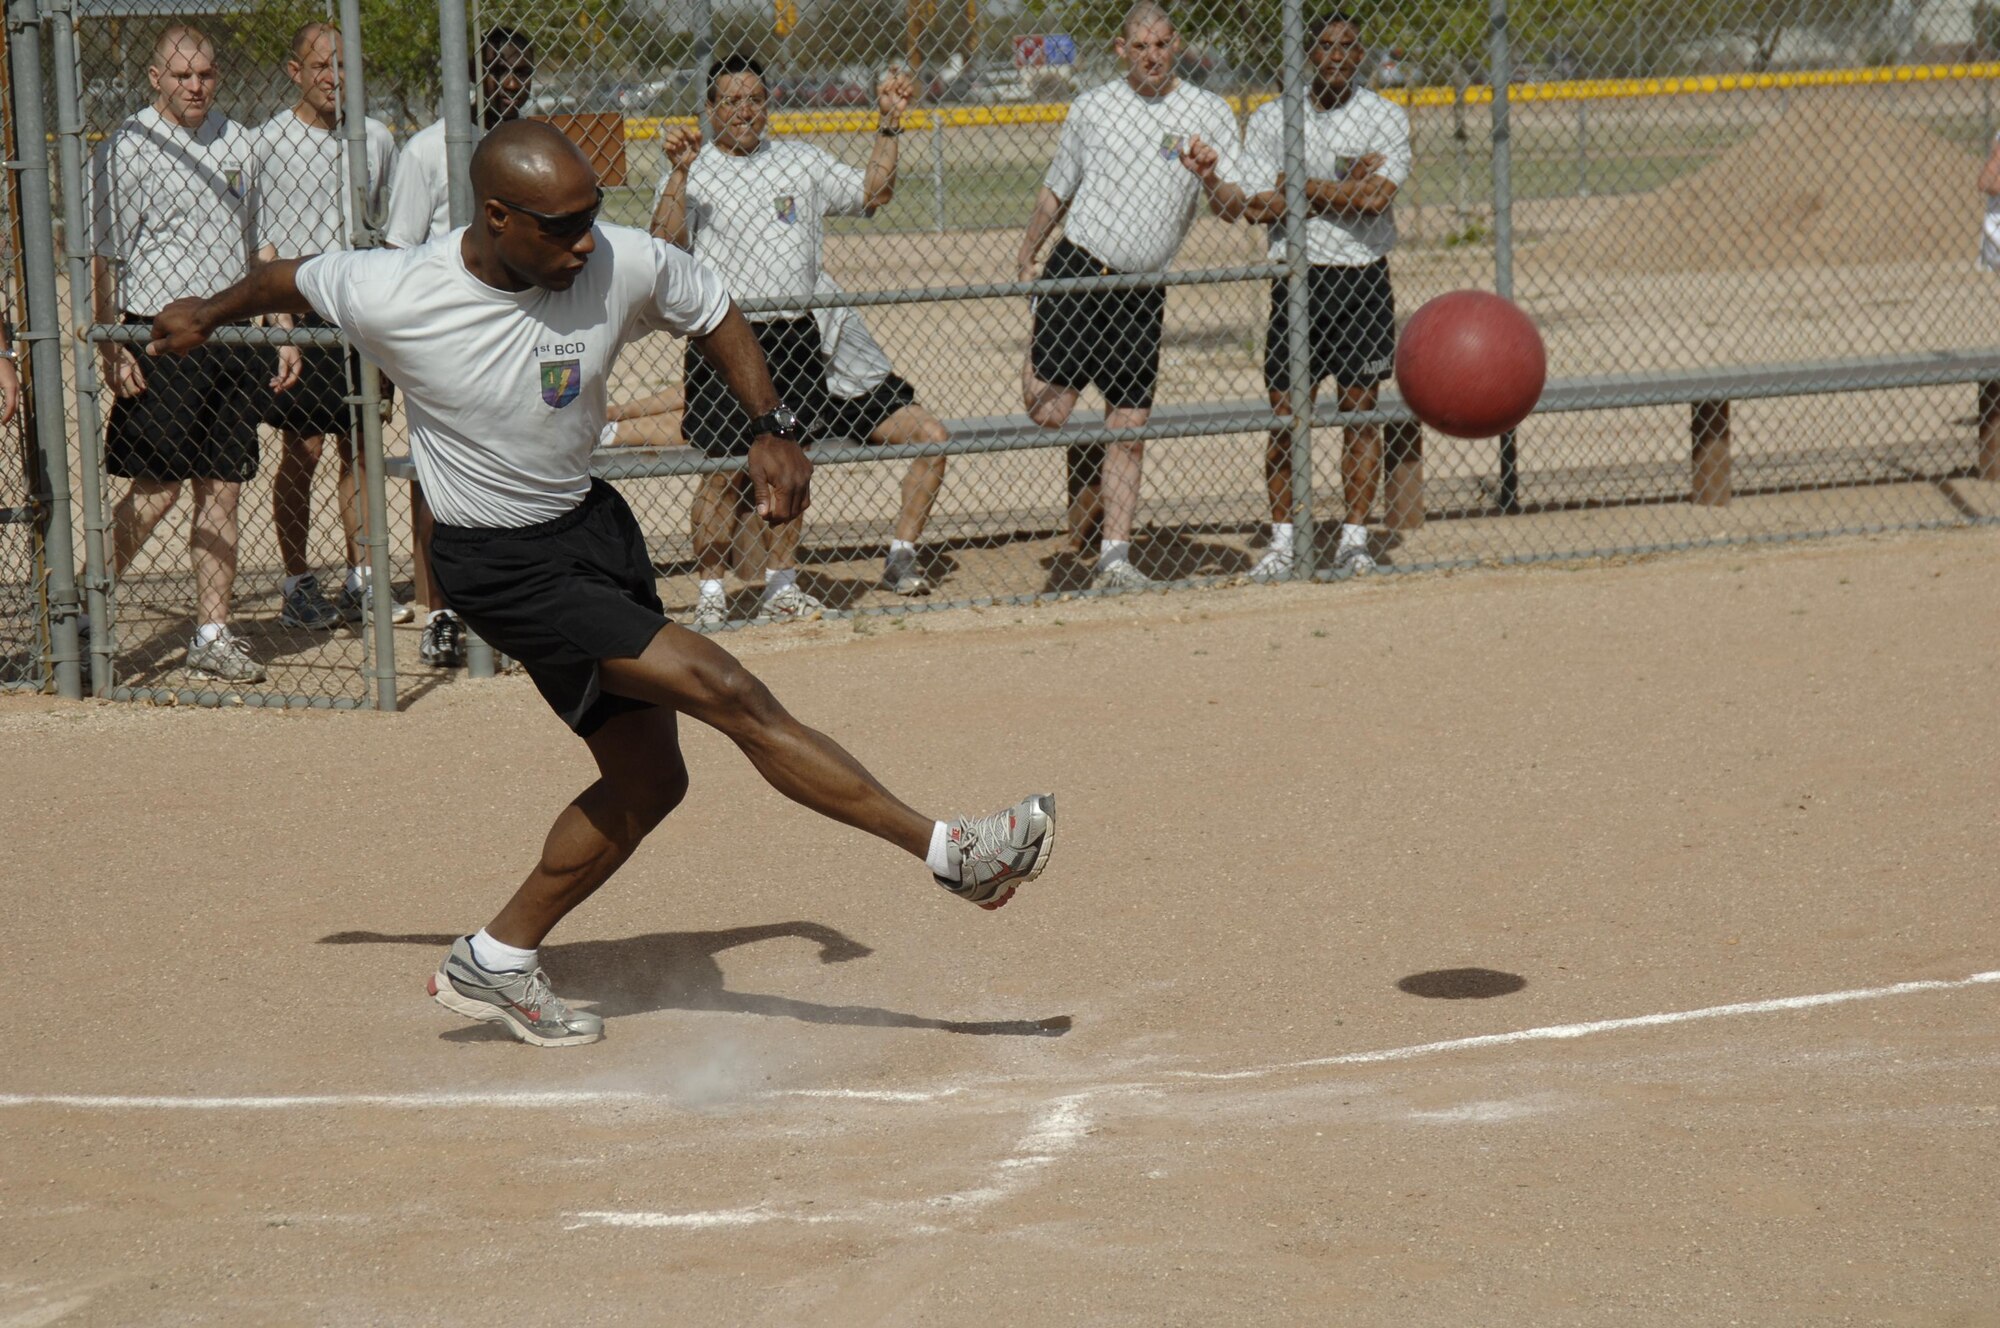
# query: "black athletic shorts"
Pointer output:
{"type": "Point", "coordinates": [1351, 327]}
{"type": "Point", "coordinates": [317, 403]}
{"type": "Point", "coordinates": [1109, 339]}
{"type": "Point", "coordinates": [716, 423]}
{"type": "Point", "coordinates": [559, 597]}
{"type": "Point", "coordinates": [197, 418]}
{"type": "Point", "coordinates": [855, 418]}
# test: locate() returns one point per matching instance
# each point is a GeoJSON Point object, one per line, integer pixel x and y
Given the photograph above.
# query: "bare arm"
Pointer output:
{"type": "Point", "coordinates": [271, 288]}
{"type": "Point", "coordinates": [1225, 199]}
{"type": "Point", "coordinates": [780, 474]}
{"type": "Point", "coordinates": [291, 361]}
{"type": "Point", "coordinates": [1989, 174]}
{"type": "Point", "coordinates": [892, 99]}
{"type": "Point", "coordinates": [670, 214]}
{"type": "Point", "coordinates": [117, 363]}
{"type": "Point", "coordinates": [1361, 193]}
{"type": "Point", "coordinates": [1048, 211]}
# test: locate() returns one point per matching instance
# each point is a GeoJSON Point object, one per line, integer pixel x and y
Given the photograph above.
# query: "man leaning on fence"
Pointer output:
{"type": "Point", "coordinates": [304, 199]}
{"type": "Point", "coordinates": [419, 212]}
{"type": "Point", "coordinates": [1135, 159]}
{"type": "Point", "coordinates": [172, 210]}
{"type": "Point", "coordinates": [1357, 156]}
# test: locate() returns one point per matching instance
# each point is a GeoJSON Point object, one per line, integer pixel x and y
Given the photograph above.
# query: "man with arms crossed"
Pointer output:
{"type": "Point", "coordinates": [503, 336]}
{"type": "Point", "coordinates": [172, 206]}
{"type": "Point", "coordinates": [1135, 158]}
{"type": "Point", "coordinates": [420, 211]}
{"type": "Point", "coordinates": [303, 194]}
{"type": "Point", "coordinates": [754, 209]}
{"type": "Point", "coordinates": [1357, 155]}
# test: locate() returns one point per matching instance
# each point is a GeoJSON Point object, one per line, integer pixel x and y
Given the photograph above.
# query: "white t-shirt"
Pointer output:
{"type": "Point", "coordinates": [1118, 167]}
{"type": "Point", "coordinates": [506, 389]}
{"type": "Point", "coordinates": [855, 362]}
{"type": "Point", "coordinates": [301, 174]}
{"type": "Point", "coordinates": [176, 206]}
{"type": "Point", "coordinates": [420, 188]}
{"type": "Point", "coordinates": [758, 220]}
{"type": "Point", "coordinates": [1365, 123]}
{"type": "Point", "coordinates": [1989, 234]}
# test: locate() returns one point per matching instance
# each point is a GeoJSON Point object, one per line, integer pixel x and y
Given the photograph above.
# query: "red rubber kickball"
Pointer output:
{"type": "Point", "coordinates": [1471, 364]}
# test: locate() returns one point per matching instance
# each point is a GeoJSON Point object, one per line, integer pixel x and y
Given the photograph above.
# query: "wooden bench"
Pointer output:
{"type": "Point", "coordinates": [1708, 393]}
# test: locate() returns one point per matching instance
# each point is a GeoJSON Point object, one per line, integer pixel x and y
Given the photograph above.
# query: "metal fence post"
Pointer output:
{"type": "Point", "coordinates": [89, 426]}
{"type": "Point", "coordinates": [368, 387]}
{"type": "Point", "coordinates": [455, 56]}
{"type": "Point", "coordinates": [1501, 66]}
{"type": "Point", "coordinates": [937, 165]}
{"type": "Point", "coordinates": [42, 337]}
{"type": "Point", "coordinates": [1298, 352]}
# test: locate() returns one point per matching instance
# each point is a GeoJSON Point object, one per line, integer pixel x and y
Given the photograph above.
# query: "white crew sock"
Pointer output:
{"type": "Point", "coordinates": [436, 614]}
{"type": "Point", "coordinates": [938, 859]}
{"type": "Point", "coordinates": [897, 546]}
{"type": "Point", "coordinates": [1281, 537]}
{"type": "Point", "coordinates": [292, 582]}
{"type": "Point", "coordinates": [777, 579]}
{"type": "Point", "coordinates": [1353, 537]}
{"type": "Point", "coordinates": [208, 632]}
{"type": "Point", "coordinates": [712, 589]}
{"type": "Point", "coordinates": [355, 580]}
{"type": "Point", "coordinates": [500, 957]}
{"type": "Point", "coordinates": [1113, 551]}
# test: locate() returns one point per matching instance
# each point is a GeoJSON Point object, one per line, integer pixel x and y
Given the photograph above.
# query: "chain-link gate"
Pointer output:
{"type": "Point", "coordinates": [991, 250]}
{"type": "Point", "coordinates": [24, 661]}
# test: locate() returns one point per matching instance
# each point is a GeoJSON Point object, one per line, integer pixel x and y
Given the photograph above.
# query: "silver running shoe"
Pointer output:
{"type": "Point", "coordinates": [226, 657]}
{"type": "Point", "coordinates": [521, 1003]}
{"type": "Point", "coordinates": [710, 614]}
{"type": "Point", "coordinates": [1275, 565]}
{"type": "Point", "coordinates": [994, 855]}
{"type": "Point", "coordinates": [305, 606]}
{"type": "Point", "coordinates": [358, 606]}
{"type": "Point", "coordinates": [789, 605]}
{"type": "Point", "coordinates": [900, 574]}
{"type": "Point", "coordinates": [1353, 559]}
{"type": "Point", "coordinates": [1121, 575]}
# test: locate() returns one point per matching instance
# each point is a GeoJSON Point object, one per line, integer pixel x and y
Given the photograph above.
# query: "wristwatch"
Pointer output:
{"type": "Point", "coordinates": [781, 421]}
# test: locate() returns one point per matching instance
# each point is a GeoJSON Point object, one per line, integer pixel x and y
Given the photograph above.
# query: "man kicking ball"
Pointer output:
{"type": "Point", "coordinates": [502, 336]}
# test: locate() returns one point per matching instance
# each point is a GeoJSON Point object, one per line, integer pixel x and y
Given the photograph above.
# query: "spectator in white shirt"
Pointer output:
{"type": "Point", "coordinates": [172, 209]}
{"type": "Point", "coordinates": [304, 200]}
{"type": "Point", "coordinates": [1135, 160]}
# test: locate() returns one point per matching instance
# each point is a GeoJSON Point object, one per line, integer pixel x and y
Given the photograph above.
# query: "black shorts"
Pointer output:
{"type": "Point", "coordinates": [197, 418]}
{"type": "Point", "coordinates": [1109, 339]}
{"type": "Point", "coordinates": [559, 597]}
{"type": "Point", "coordinates": [856, 418]}
{"type": "Point", "coordinates": [1351, 327]}
{"type": "Point", "coordinates": [715, 421]}
{"type": "Point", "coordinates": [317, 403]}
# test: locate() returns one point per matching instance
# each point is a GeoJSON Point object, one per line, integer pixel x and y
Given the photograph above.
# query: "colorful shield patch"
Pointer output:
{"type": "Point", "coordinates": [561, 381]}
{"type": "Point", "coordinates": [1170, 146]}
{"type": "Point", "coordinates": [788, 209]}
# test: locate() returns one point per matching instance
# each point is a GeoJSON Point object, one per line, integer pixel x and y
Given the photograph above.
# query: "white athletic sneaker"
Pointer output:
{"type": "Point", "coordinates": [1353, 559]}
{"type": "Point", "coordinates": [226, 657]}
{"type": "Point", "coordinates": [789, 605]}
{"type": "Point", "coordinates": [900, 574]}
{"type": "Point", "coordinates": [710, 613]}
{"type": "Point", "coordinates": [1121, 575]}
{"type": "Point", "coordinates": [1275, 565]}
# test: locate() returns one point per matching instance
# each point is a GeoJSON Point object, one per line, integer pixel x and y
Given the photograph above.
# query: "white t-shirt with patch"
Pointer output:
{"type": "Point", "coordinates": [855, 362]}
{"type": "Point", "coordinates": [506, 389]}
{"type": "Point", "coordinates": [1118, 167]}
{"type": "Point", "coordinates": [759, 220]}
{"type": "Point", "coordinates": [1365, 123]}
{"type": "Point", "coordinates": [420, 188]}
{"type": "Point", "coordinates": [177, 207]}
{"type": "Point", "coordinates": [302, 189]}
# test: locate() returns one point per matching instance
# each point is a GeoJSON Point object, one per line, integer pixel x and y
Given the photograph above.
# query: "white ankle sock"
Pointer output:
{"type": "Point", "coordinates": [208, 632]}
{"type": "Point", "coordinates": [1281, 537]}
{"type": "Point", "coordinates": [1353, 537]}
{"type": "Point", "coordinates": [938, 859]}
{"type": "Point", "coordinates": [292, 582]}
{"type": "Point", "coordinates": [354, 580]}
{"type": "Point", "coordinates": [712, 589]}
{"type": "Point", "coordinates": [500, 957]}
{"type": "Point", "coordinates": [776, 580]}
{"type": "Point", "coordinates": [897, 546]}
{"type": "Point", "coordinates": [1113, 551]}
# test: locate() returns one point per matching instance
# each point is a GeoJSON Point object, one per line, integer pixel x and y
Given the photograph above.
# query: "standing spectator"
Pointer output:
{"type": "Point", "coordinates": [304, 197]}
{"type": "Point", "coordinates": [1135, 158]}
{"type": "Point", "coordinates": [1357, 156]}
{"type": "Point", "coordinates": [754, 209]}
{"type": "Point", "coordinates": [419, 212]}
{"type": "Point", "coordinates": [173, 209]}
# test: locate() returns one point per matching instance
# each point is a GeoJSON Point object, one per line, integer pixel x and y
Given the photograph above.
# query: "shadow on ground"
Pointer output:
{"type": "Point", "coordinates": [677, 970]}
{"type": "Point", "coordinates": [1462, 984]}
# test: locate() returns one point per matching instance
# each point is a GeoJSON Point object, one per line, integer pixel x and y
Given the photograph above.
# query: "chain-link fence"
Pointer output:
{"type": "Point", "coordinates": [1049, 280]}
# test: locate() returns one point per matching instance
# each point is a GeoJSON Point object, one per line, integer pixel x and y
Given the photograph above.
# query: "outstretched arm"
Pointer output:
{"type": "Point", "coordinates": [272, 288]}
{"type": "Point", "coordinates": [670, 213]}
{"type": "Point", "coordinates": [780, 474]}
{"type": "Point", "coordinates": [1049, 210]}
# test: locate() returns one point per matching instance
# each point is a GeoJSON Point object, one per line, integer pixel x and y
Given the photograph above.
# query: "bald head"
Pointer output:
{"type": "Point", "coordinates": [532, 163]}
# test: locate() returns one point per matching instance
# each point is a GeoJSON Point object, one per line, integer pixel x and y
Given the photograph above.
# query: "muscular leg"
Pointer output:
{"type": "Point", "coordinates": [781, 545]}
{"type": "Point", "coordinates": [914, 424]}
{"type": "Point", "coordinates": [1403, 448]}
{"type": "Point", "coordinates": [1122, 462]}
{"type": "Point", "coordinates": [641, 778]}
{"type": "Point", "coordinates": [135, 517]}
{"type": "Point", "coordinates": [291, 496]}
{"type": "Point", "coordinates": [693, 675]}
{"type": "Point", "coordinates": [429, 592]}
{"type": "Point", "coordinates": [1361, 457]}
{"type": "Point", "coordinates": [214, 547]}
{"type": "Point", "coordinates": [713, 515]}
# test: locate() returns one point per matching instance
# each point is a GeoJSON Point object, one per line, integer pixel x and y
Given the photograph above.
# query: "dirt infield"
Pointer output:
{"type": "Point", "coordinates": [1714, 833]}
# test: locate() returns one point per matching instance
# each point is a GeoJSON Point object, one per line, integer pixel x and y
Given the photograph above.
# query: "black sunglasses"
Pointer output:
{"type": "Point", "coordinates": [561, 225]}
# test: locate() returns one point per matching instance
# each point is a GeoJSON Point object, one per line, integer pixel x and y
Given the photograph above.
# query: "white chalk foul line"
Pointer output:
{"type": "Point", "coordinates": [579, 1097]}
{"type": "Point", "coordinates": [1562, 1032]}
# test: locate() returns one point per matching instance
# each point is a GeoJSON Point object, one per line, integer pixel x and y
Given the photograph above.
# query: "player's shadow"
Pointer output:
{"type": "Point", "coordinates": [1462, 984]}
{"type": "Point", "coordinates": [677, 970]}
